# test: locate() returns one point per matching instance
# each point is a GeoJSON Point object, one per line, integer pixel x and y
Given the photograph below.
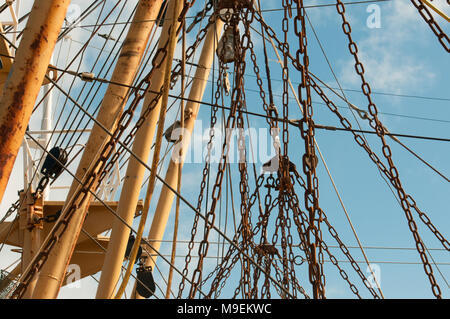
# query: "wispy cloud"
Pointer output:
{"type": "Point", "coordinates": [388, 63]}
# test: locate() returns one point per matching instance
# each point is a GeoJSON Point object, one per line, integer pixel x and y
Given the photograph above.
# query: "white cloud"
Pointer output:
{"type": "Point", "coordinates": [388, 66]}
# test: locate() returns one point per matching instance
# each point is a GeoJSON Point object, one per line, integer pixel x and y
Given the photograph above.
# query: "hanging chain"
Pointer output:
{"type": "Point", "coordinates": [426, 220]}
{"type": "Point", "coordinates": [43, 183]}
{"type": "Point", "coordinates": [342, 246]}
{"type": "Point", "coordinates": [216, 191]}
{"type": "Point", "coordinates": [380, 130]}
{"type": "Point", "coordinates": [362, 143]}
{"type": "Point", "coordinates": [213, 122]}
{"type": "Point", "coordinates": [80, 196]}
{"type": "Point", "coordinates": [428, 17]}
{"type": "Point", "coordinates": [95, 175]}
{"type": "Point", "coordinates": [245, 212]}
{"type": "Point", "coordinates": [301, 221]}
{"type": "Point", "coordinates": [177, 70]}
{"type": "Point", "coordinates": [102, 166]}
{"type": "Point", "coordinates": [241, 46]}
{"type": "Point", "coordinates": [13, 208]}
{"type": "Point", "coordinates": [309, 158]}
{"type": "Point", "coordinates": [285, 74]}
{"type": "Point", "coordinates": [200, 15]}
{"type": "Point", "coordinates": [295, 62]}
{"type": "Point", "coordinates": [224, 269]}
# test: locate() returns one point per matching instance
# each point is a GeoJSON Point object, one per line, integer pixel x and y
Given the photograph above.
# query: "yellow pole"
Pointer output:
{"type": "Point", "coordinates": [196, 94]}
{"type": "Point", "coordinates": [180, 168]}
{"type": "Point", "coordinates": [52, 273]}
{"type": "Point", "coordinates": [162, 116]}
{"type": "Point", "coordinates": [25, 79]}
{"type": "Point", "coordinates": [435, 9]}
{"type": "Point", "coordinates": [133, 178]}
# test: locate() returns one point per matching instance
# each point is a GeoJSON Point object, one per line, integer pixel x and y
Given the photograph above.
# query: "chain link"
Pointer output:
{"type": "Point", "coordinates": [302, 223]}
{"type": "Point", "coordinates": [428, 17]}
{"type": "Point", "coordinates": [200, 15]}
{"type": "Point", "coordinates": [241, 45]}
{"type": "Point", "coordinates": [213, 122]}
{"type": "Point", "coordinates": [13, 208]}
{"type": "Point", "coordinates": [317, 277]}
{"type": "Point", "coordinates": [102, 166]}
{"type": "Point", "coordinates": [380, 130]}
{"type": "Point", "coordinates": [42, 185]}
{"type": "Point", "coordinates": [362, 143]}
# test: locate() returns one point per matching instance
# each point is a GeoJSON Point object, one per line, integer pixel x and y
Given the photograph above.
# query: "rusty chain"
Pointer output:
{"type": "Point", "coordinates": [262, 223]}
{"type": "Point", "coordinates": [342, 246]}
{"type": "Point", "coordinates": [216, 191]}
{"type": "Point", "coordinates": [177, 70]}
{"type": "Point", "coordinates": [281, 221]}
{"type": "Point", "coordinates": [245, 212]}
{"type": "Point", "coordinates": [428, 17]}
{"type": "Point", "coordinates": [309, 161]}
{"type": "Point", "coordinates": [213, 122]}
{"type": "Point", "coordinates": [102, 166]}
{"type": "Point", "coordinates": [280, 224]}
{"type": "Point", "coordinates": [80, 197]}
{"type": "Point", "coordinates": [376, 160]}
{"type": "Point", "coordinates": [42, 184]}
{"type": "Point", "coordinates": [362, 143]}
{"type": "Point", "coordinates": [252, 199]}
{"type": "Point", "coordinates": [287, 6]}
{"type": "Point", "coordinates": [380, 130]}
{"type": "Point", "coordinates": [200, 15]}
{"type": "Point", "coordinates": [224, 269]}
{"type": "Point", "coordinates": [301, 221]}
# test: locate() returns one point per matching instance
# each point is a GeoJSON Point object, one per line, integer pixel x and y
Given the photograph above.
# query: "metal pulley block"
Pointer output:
{"type": "Point", "coordinates": [227, 8]}
{"type": "Point", "coordinates": [226, 46]}
{"type": "Point", "coordinates": [54, 162]}
{"type": "Point", "coordinates": [130, 244]}
{"type": "Point", "coordinates": [171, 133]}
{"type": "Point", "coordinates": [145, 283]}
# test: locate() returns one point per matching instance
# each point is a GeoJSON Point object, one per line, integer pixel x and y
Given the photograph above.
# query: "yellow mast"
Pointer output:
{"type": "Point", "coordinates": [25, 79]}
{"type": "Point", "coordinates": [52, 273]}
{"type": "Point", "coordinates": [171, 178]}
{"type": "Point", "coordinates": [134, 175]}
{"type": "Point", "coordinates": [159, 136]}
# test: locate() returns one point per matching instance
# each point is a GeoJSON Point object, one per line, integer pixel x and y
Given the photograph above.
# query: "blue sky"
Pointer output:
{"type": "Point", "coordinates": [408, 69]}
{"type": "Point", "coordinates": [401, 57]}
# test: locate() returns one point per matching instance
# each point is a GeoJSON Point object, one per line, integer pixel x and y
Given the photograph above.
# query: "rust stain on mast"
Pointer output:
{"type": "Point", "coordinates": [25, 79]}
{"type": "Point", "coordinates": [127, 66]}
